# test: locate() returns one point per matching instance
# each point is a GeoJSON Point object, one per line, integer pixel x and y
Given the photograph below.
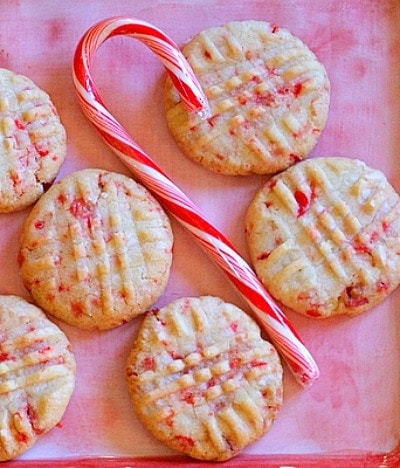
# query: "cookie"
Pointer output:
{"type": "Point", "coordinates": [268, 94]}
{"type": "Point", "coordinates": [37, 375]}
{"type": "Point", "coordinates": [96, 250]}
{"type": "Point", "coordinates": [32, 142]}
{"type": "Point", "coordinates": [323, 237]}
{"type": "Point", "coordinates": [201, 378]}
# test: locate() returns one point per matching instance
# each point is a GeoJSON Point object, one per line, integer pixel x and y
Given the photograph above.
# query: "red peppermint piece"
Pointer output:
{"type": "Point", "coordinates": [45, 349]}
{"type": "Point", "coordinates": [148, 363]}
{"type": "Point", "coordinates": [257, 363]}
{"type": "Point", "coordinates": [353, 297]}
{"type": "Point", "coordinates": [41, 150]}
{"type": "Point", "coordinates": [382, 286]}
{"type": "Point", "coordinates": [185, 441]}
{"type": "Point", "coordinates": [263, 256]}
{"type": "Point", "coordinates": [20, 125]}
{"type": "Point", "coordinates": [360, 247]}
{"type": "Point", "coordinates": [313, 313]}
{"type": "Point", "coordinates": [274, 28]}
{"type": "Point", "coordinates": [385, 226]}
{"type": "Point", "coordinates": [39, 224]}
{"type": "Point", "coordinates": [188, 397]}
{"type": "Point", "coordinates": [32, 418]}
{"type": "Point", "coordinates": [234, 326]}
{"type": "Point", "coordinates": [296, 89]}
{"type": "Point", "coordinates": [7, 357]}
{"type": "Point", "coordinates": [302, 201]}
{"type": "Point", "coordinates": [169, 420]}
{"type": "Point", "coordinates": [81, 209]}
{"type": "Point", "coordinates": [77, 309]}
{"type": "Point", "coordinates": [235, 362]}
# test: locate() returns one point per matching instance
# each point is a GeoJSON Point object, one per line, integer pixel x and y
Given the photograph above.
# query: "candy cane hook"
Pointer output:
{"type": "Point", "coordinates": [279, 329]}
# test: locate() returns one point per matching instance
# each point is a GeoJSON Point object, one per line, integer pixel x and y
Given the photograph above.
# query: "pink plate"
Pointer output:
{"type": "Point", "coordinates": [350, 417]}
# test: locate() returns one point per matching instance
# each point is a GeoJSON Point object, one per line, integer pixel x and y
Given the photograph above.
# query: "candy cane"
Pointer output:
{"type": "Point", "coordinates": [279, 329]}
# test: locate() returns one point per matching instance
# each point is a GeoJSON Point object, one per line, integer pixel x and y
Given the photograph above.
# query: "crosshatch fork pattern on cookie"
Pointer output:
{"type": "Point", "coordinates": [331, 225]}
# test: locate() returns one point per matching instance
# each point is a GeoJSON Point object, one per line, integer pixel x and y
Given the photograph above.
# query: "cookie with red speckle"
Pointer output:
{"type": "Point", "coordinates": [324, 237]}
{"type": "Point", "coordinates": [202, 379]}
{"type": "Point", "coordinates": [96, 249]}
{"type": "Point", "coordinates": [37, 375]}
{"type": "Point", "coordinates": [268, 94]}
{"type": "Point", "coordinates": [32, 141]}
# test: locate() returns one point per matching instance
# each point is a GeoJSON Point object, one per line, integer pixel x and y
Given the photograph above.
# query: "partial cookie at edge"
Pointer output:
{"type": "Point", "coordinates": [32, 141]}
{"type": "Point", "coordinates": [37, 375]}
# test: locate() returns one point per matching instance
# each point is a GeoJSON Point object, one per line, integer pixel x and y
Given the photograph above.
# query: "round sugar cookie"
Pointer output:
{"type": "Point", "coordinates": [37, 375]}
{"type": "Point", "coordinates": [324, 237]}
{"type": "Point", "coordinates": [32, 141]}
{"type": "Point", "coordinates": [96, 250]}
{"type": "Point", "coordinates": [268, 94]}
{"type": "Point", "coordinates": [202, 379]}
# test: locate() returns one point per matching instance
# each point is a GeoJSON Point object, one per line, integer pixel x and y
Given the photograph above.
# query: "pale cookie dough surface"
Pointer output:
{"type": "Point", "coordinates": [96, 250]}
{"type": "Point", "coordinates": [268, 94]}
{"type": "Point", "coordinates": [201, 378]}
{"type": "Point", "coordinates": [32, 141]}
{"type": "Point", "coordinates": [37, 375]}
{"type": "Point", "coordinates": [324, 237]}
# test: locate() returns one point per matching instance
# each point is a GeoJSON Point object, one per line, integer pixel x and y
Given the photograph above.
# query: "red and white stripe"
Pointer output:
{"type": "Point", "coordinates": [279, 329]}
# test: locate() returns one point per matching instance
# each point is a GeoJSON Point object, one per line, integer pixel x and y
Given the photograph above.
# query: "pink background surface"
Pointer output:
{"type": "Point", "coordinates": [353, 409]}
